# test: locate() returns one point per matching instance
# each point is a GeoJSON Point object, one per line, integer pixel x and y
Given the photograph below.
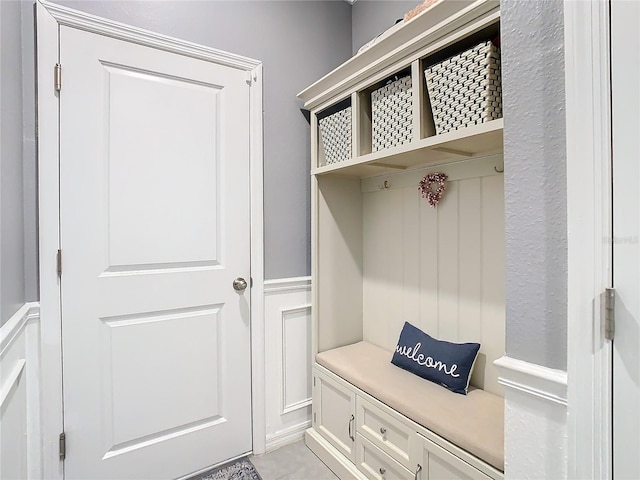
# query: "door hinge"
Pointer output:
{"type": "Point", "coordinates": [609, 313]}
{"type": "Point", "coordinates": [59, 263]}
{"type": "Point", "coordinates": [62, 443]}
{"type": "Point", "coordinates": [314, 381]}
{"type": "Point", "coordinates": [249, 77]}
{"type": "Point", "coordinates": [57, 77]}
{"type": "Point", "coordinates": [314, 417]}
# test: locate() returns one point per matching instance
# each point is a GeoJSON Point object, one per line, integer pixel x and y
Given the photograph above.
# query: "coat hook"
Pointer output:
{"type": "Point", "coordinates": [386, 185]}
{"type": "Point", "coordinates": [499, 171]}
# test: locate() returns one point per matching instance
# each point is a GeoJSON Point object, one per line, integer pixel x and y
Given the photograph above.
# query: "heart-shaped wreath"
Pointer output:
{"type": "Point", "coordinates": [432, 187]}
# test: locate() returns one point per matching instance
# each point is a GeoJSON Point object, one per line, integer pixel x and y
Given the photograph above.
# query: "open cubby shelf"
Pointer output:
{"type": "Point", "coordinates": [467, 23]}
{"type": "Point", "coordinates": [475, 141]}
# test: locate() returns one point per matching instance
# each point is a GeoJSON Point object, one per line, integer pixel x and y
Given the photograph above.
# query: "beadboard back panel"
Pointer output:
{"type": "Point", "coordinates": [441, 269]}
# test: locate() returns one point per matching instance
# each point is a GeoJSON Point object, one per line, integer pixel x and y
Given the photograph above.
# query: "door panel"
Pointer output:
{"type": "Point", "coordinates": [150, 229]}
{"type": "Point", "coordinates": [625, 64]}
{"type": "Point", "coordinates": [154, 208]}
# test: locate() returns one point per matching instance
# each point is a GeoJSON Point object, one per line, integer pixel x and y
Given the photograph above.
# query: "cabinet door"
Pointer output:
{"type": "Point", "coordinates": [439, 464]}
{"type": "Point", "coordinates": [334, 413]}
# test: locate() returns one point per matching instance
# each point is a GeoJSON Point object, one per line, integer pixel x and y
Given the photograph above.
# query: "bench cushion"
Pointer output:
{"type": "Point", "coordinates": [474, 422]}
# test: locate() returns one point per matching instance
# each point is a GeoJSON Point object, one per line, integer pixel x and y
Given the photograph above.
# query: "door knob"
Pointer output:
{"type": "Point", "coordinates": [239, 284]}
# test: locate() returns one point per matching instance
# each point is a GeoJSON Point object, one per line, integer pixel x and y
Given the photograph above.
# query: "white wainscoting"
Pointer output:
{"type": "Point", "coordinates": [535, 427]}
{"type": "Point", "coordinates": [287, 314]}
{"type": "Point", "coordinates": [20, 436]}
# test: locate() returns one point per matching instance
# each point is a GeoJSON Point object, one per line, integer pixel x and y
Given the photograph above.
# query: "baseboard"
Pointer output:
{"type": "Point", "coordinates": [337, 463]}
{"type": "Point", "coordinates": [285, 437]}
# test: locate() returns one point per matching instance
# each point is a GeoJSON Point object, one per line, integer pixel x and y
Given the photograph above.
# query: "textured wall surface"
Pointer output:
{"type": "Point", "coordinates": [298, 42]}
{"type": "Point", "coordinates": [535, 181]}
{"type": "Point", "coordinates": [372, 17]}
{"type": "Point", "coordinates": [12, 294]}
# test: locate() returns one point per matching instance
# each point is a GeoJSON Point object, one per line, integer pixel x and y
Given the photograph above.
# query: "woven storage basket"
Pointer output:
{"type": "Point", "coordinates": [391, 114]}
{"type": "Point", "coordinates": [466, 89]}
{"type": "Point", "coordinates": [335, 131]}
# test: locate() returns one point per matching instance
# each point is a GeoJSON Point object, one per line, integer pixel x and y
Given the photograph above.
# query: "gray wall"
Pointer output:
{"type": "Point", "coordinates": [298, 43]}
{"type": "Point", "coordinates": [535, 180]}
{"type": "Point", "coordinates": [297, 51]}
{"type": "Point", "coordinates": [29, 166]}
{"type": "Point", "coordinates": [12, 293]}
{"type": "Point", "coordinates": [372, 17]}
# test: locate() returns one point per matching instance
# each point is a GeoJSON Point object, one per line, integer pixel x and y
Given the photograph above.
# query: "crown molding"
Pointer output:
{"type": "Point", "coordinates": [84, 21]}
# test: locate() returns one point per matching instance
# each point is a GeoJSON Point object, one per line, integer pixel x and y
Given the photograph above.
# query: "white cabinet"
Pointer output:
{"type": "Point", "coordinates": [334, 413]}
{"type": "Point", "coordinates": [382, 256]}
{"type": "Point", "coordinates": [382, 443]}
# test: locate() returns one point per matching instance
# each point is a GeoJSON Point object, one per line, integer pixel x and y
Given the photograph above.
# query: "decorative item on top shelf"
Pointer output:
{"type": "Point", "coordinates": [414, 12]}
{"type": "Point", "coordinates": [391, 114]}
{"type": "Point", "coordinates": [335, 130]}
{"type": "Point", "coordinates": [466, 89]}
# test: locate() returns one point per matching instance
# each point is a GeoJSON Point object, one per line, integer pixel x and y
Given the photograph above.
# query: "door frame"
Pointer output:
{"type": "Point", "coordinates": [49, 19]}
{"type": "Point", "coordinates": [589, 230]}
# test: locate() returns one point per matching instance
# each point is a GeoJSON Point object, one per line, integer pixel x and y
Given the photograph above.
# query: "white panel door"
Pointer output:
{"type": "Point", "coordinates": [625, 64]}
{"type": "Point", "coordinates": [154, 207]}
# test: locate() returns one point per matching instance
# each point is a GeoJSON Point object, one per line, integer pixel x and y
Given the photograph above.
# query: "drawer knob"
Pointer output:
{"type": "Point", "coordinates": [382, 470]}
{"type": "Point", "coordinates": [383, 430]}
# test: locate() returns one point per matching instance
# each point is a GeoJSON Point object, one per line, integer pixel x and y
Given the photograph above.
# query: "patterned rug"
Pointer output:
{"type": "Point", "coordinates": [239, 470]}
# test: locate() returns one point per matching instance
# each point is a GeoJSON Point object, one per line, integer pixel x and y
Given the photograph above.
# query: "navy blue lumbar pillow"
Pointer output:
{"type": "Point", "coordinates": [445, 363]}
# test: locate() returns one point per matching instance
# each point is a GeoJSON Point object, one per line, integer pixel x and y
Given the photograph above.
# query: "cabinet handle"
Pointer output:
{"type": "Point", "coordinates": [351, 436]}
{"type": "Point", "coordinates": [383, 430]}
{"type": "Point", "coordinates": [382, 470]}
{"type": "Point", "coordinates": [418, 470]}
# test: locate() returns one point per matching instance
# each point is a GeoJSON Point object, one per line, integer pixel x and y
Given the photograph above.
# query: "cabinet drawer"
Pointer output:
{"type": "Point", "coordinates": [376, 464]}
{"type": "Point", "coordinates": [384, 431]}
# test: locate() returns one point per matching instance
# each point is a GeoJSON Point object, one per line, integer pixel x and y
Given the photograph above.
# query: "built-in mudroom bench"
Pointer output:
{"type": "Point", "coordinates": [408, 228]}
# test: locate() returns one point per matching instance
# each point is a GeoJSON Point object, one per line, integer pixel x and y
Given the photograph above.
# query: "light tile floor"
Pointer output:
{"type": "Point", "coordinates": [291, 462]}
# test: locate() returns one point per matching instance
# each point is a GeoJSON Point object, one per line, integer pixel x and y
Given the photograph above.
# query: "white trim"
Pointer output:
{"type": "Point", "coordinates": [48, 240]}
{"type": "Point", "coordinates": [103, 26]}
{"type": "Point", "coordinates": [11, 381]}
{"type": "Point", "coordinates": [285, 437]}
{"type": "Point", "coordinates": [296, 406]}
{"type": "Point", "coordinates": [49, 17]}
{"type": "Point", "coordinates": [34, 398]}
{"type": "Point", "coordinates": [542, 382]}
{"type": "Point", "coordinates": [284, 407]}
{"type": "Point", "coordinates": [258, 395]}
{"type": "Point", "coordinates": [287, 284]}
{"type": "Point", "coordinates": [22, 331]}
{"type": "Point", "coordinates": [13, 327]}
{"type": "Point", "coordinates": [588, 110]}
